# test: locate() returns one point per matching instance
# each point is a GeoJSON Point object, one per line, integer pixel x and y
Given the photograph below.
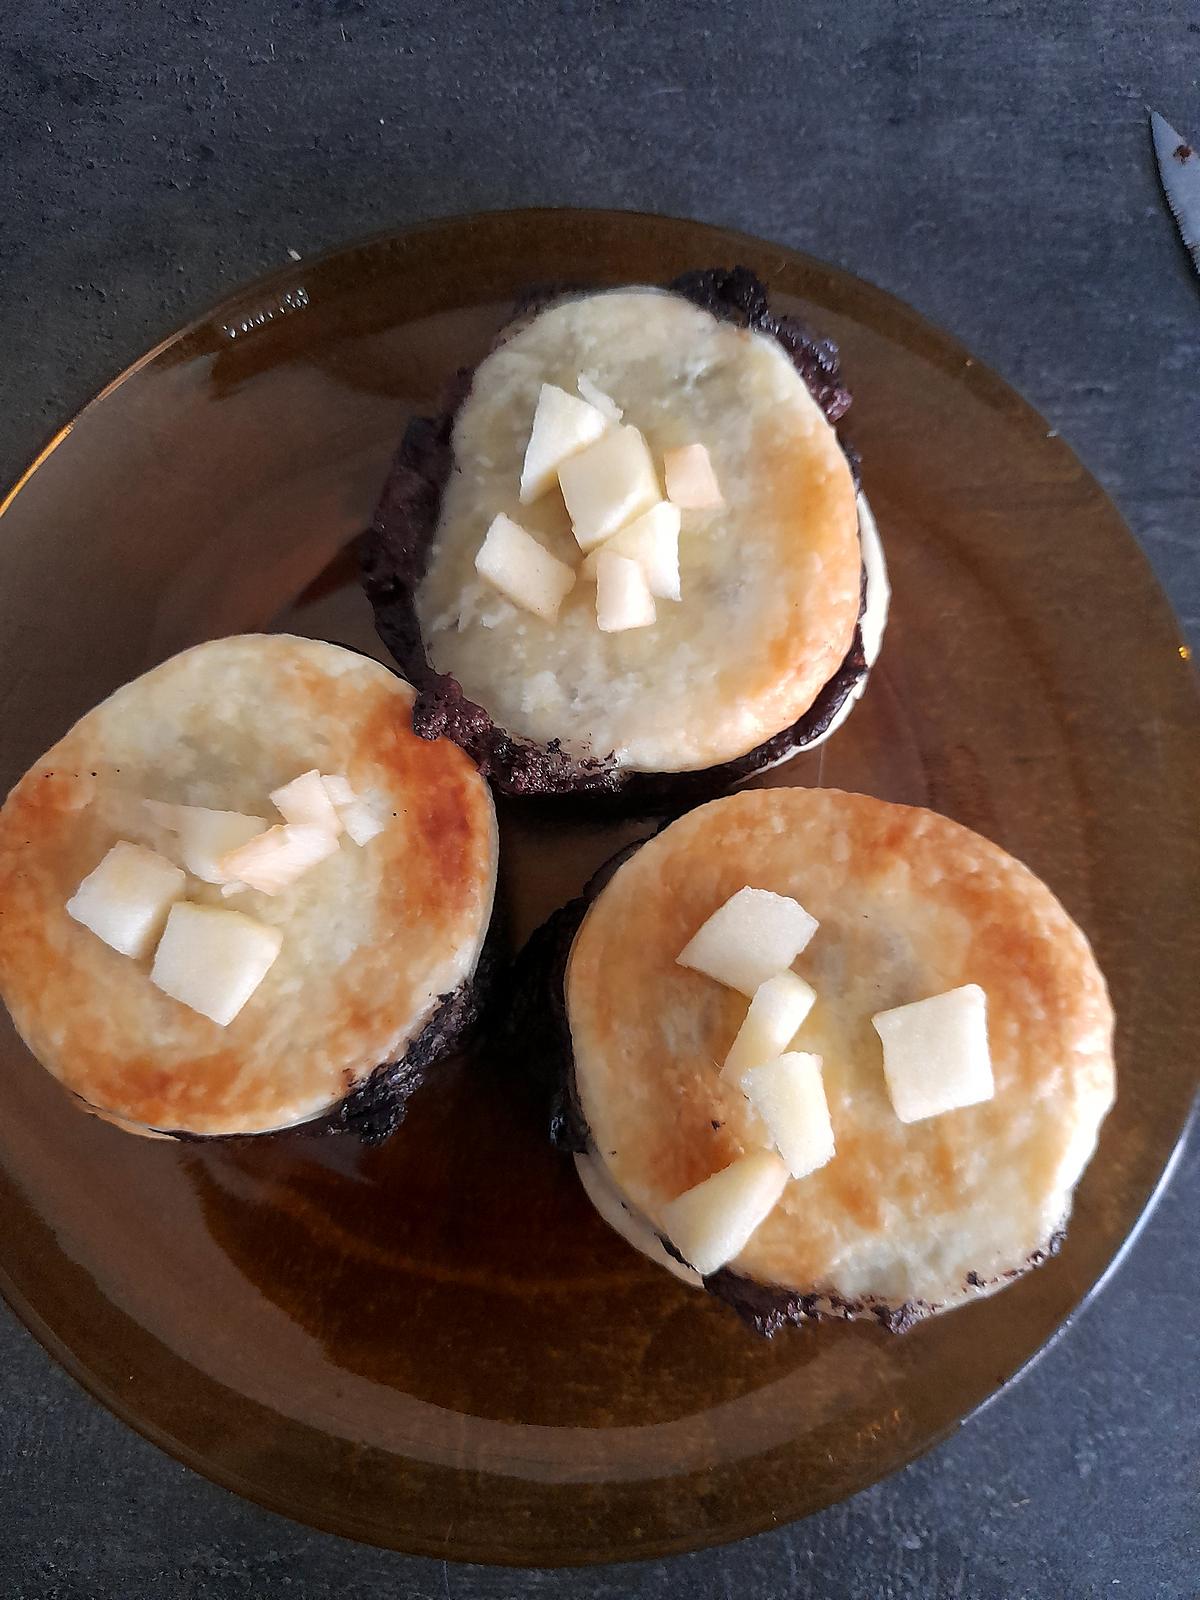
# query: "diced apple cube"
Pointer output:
{"type": "Point", "coordinates": [338, 789]}
{"type": "Point", "coordinates": [359, 820]}
{"type": "Point", "coordinates": [712, 1223]}
{"type": "Point", "coordinates": [515, 563]}
{"type": "Point", "coordinates": [608, 484]}
{"type": "Point", "coordinates": [623, 598]}
{"type": "Point", "coordinates": [205, 835]}
{"type": "Point", "coordinates": [789, 1096]}
{"type": "Point", "coordinates": [779, 1007]}
{"type": "Point", "coordinates": [307, 800]}
{"type": "Point", "coordinates": [212, 960]}
{"type": "Point", "coordinates": [274, 859]}
{"type": "Point", "coordinates": [604, 403]}
{"type": "Point", "coordinates": [362, 824]}
{"type": "Point", "coordinates": [125, 900]}
{"type": "Point", "coordinates": [652, 540]}
{"type": "Point", "coordinates": [691, 481]}
{"type": "Point", "coordinates": [165, 813]}
{"type": "Point", "coordinates": [935, 1053]}
{"type": "Point", "coordinates": [562, 425]}
{"type": "Point", "coordinates": [752, 937]}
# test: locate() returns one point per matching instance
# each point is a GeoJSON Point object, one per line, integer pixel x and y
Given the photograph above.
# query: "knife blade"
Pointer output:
{"type": "Point", "coordinates": [1179, 169]}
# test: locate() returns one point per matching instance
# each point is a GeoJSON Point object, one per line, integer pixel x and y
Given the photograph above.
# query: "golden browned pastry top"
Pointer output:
{"type": "Point", "coordinates": [372, 936]}
{"type": "Point", "coordinates": [910, 904]}
{"type": "Point", "coordinates": [770, 580]}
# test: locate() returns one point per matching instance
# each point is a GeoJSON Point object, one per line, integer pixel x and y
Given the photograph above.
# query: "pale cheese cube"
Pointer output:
{"type": "Point", "coordinates": [749, 939]}
{"type": "Point", "coordinates": [608, 484]}
{"type": "Point", "coordinates": [274, 859]}
{"type": "Point", "coordinates": [789, 1096]}
{"type": "Point", "coordinates": [563, 424]}
{"type": "Point", "coordinates": [338, 789]}
{"type": "Point", "coordinates": [604, 403]}
{"type": "Point", "coordinates": [212, 960]}
{"type": "Point", "coordinates": [306, 800]}
{"type": "Point", "coordinates": [205, 836]}
{"type": "Point", "coordinates": [515, 563]}
{"type": "Point", "coordinates": [623, 598]}
{"type": "Point", "coordinates": [652, 540]}
{"type": "Point", "coordinates": [776, 1012]}
{"type": "Point", "coordinates": [935, 1053]}
{"type": "Point", "coordinates": [713, 1222]}
{"type": "Point", "coordinates": [691, 481]}
{"type": "Point", "coordinates": [362, 824]}
{"type": "Point", "coordinates": [125, 900]}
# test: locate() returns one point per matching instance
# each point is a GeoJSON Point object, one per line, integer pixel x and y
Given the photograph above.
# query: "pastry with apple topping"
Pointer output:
{"type": "Point", "coordinates": [824, 1056]}
{"type": "Point", "coordinates": [241, 895]}
{"type": "Point", "coordinates": [630, 558]}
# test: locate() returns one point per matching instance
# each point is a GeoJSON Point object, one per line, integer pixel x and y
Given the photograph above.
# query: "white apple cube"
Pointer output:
{"type": "Point", "coordinates": [789, 1096]}
{"type": "Point", "coordinates": [935, 1053]}
{"type": "Point", "coordinates": [338, 789]}
{"type": "Point", "coordinates": [212, 960]}
{"type": "Point", "coordinates": [205, 835]}
{"type": "Point", "coordinates": [361, 823]}
{"type": "Point", "coordinates": [623, 598]}
{"type": "Point", "coordinates": [608, 484]}
{"type": "Point", "coordinates": [604, 403]}
{"type": "Point", "coordinates": [563, 424]}
{"type": "Point", "coordinates": [691, 481]}
{"type": "Point", "coordinates": [712, 1223]}
{"type": "Point", "coordinates": [274, 859]}
{"type": "Point", "coordinates": [752, 937]}
{"type": "Point", "coordinates": [306, 800]}
{"type": "Point", "coordinates": [515, 563]}
{"type": "Point", "coordinates": [779, 1007]}
{"type": "Point", "coordinates": [652, 540]}
{"type": "Point", "coordinates": [125, 900]}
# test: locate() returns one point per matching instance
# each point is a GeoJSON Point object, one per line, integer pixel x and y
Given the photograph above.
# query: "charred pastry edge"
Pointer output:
{"type": "Point", "coordinates": [394, 554]}
{"type": "Point", "coordinates": [375, 1107]}
{"type": "Point", "coordinates": [767, 1308]}
{"type": "Point", "coordinates": [540, 1044]}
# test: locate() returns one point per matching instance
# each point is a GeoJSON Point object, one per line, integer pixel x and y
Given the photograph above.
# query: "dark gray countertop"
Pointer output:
{"type": "Point", "coordinates": [990, 164]}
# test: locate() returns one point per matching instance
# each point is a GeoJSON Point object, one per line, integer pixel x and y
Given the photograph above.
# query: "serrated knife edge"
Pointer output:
{"type": "Point", "coordinates": [1179, 169]}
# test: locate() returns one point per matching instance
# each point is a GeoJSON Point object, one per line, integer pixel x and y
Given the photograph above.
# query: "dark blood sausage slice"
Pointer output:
{"type": "Point", "coordinates": [536, 1042]}
{"type": "Point", "coordinates": [395, 550]}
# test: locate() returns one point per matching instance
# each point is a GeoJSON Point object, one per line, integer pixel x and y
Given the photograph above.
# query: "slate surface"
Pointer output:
{"type": "Point", "coordinates": [987, 162]}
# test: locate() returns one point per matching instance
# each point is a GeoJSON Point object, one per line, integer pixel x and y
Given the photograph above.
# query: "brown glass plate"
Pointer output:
{"type": "Point", "coordinates": [436, 1345]}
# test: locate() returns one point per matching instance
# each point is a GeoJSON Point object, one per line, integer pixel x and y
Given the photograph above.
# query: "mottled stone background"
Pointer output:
{"type": "Point", "coordinates": [987, 162]}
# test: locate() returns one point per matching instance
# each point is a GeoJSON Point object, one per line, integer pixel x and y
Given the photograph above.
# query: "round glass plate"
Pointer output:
{"type": "Point", "coordinates": [436, 1345]}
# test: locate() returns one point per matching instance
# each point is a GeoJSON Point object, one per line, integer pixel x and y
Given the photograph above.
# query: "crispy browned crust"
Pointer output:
{"type": "Point", "coordinates": [395, 550]}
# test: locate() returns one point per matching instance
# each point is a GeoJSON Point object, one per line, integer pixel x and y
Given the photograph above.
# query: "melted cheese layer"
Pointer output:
{"type": "Point", "coordinates": [910, 904]}
{"type": "Point", "coordinates": [770, 580]}
{"type": "Point", "coordinates": [372, 936]}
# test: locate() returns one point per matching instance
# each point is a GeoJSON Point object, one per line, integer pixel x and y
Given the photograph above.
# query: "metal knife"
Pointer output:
{"type": "Point", "coordinates": [1179, 169]}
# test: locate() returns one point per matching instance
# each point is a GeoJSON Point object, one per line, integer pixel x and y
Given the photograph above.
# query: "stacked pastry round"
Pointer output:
{"type": "Point", "coordinates": [897, 1218]}
{"type": "Point", "coordinates": [348, 975]}
{"type": "Point", "coordinates": [782, 591]}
